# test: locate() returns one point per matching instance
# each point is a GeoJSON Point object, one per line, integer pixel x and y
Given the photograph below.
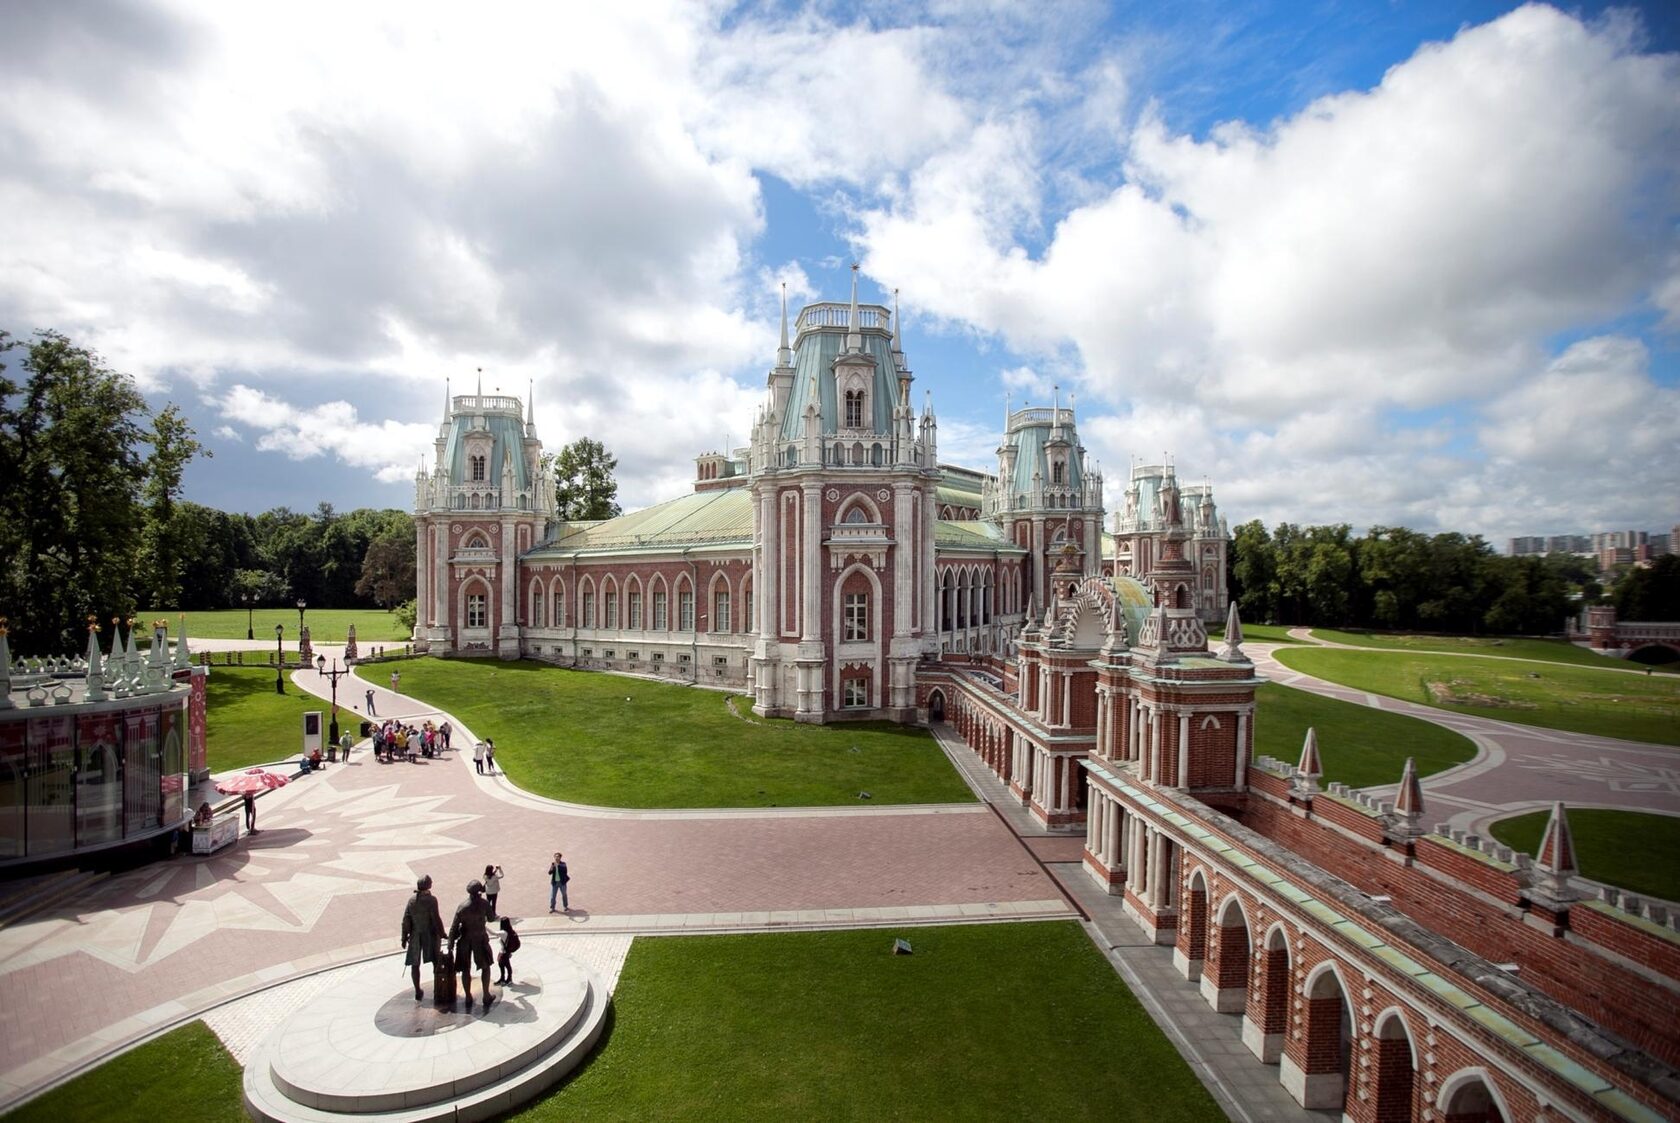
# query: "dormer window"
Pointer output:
{"type": "Point", "coordinates": [854, 409]}
{"type": "Point", "coordinates": [477, 466]}
{"type": "Point", "coordinates": [1056, 471]}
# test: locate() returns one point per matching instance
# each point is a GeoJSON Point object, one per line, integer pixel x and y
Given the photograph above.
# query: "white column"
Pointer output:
{"type": "Point", "coordinates": [811, 602]}
{"type": "Point", "coordinates": [1067, 698]}
{"type": "Point", "coordinates": [1091, 821]}
{"type": "Point", "coordinates": [770, 568]}
{"type": "Point", "coordinates": [1183, 749]}
{"type": "Point", "coordinates": [440, 546]}
{"type": "Point", "coordinates": [1242, 749]}
{"type": "Point", "coordinates": [1116, 820]}
{"type": "Point", "coordinates": [902, 556]}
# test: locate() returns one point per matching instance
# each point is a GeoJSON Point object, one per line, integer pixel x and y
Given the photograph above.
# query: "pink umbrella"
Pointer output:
{"type": "Point", "coordinates": [251, 780]}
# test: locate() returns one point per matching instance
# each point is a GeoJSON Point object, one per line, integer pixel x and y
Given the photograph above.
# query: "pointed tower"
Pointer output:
{"type": "Point", "coordinates": [485, 503]}
{"type": "Point", "coordinates": [1047, 496]}
{"type": "Point", "coordinates": [843, 487]}
{"type": "Point", "coordinates": [1232, 651]}
{"type": "Point", "coordinates": [1408, 801]}
{"type": "Point", "coordinates": [1309, 770]}
{"type": "Point", "coordinates": [1554, 861]}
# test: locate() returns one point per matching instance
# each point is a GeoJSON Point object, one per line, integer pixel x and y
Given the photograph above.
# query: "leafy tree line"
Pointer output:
{"type": "Point", "coordinates": [92, 522]}
{"type": "Point", "coordinates": [1398, 579]}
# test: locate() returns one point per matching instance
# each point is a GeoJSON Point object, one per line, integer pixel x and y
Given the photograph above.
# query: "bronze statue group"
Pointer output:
{"type": "Point", "coordinates": [469, 942]}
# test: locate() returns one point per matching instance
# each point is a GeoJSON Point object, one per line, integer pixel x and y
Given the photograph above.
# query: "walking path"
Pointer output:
{"type": "Point", "coordinates": [322, 884]}
{"type": "Point", "coordinates": [1517, 767]}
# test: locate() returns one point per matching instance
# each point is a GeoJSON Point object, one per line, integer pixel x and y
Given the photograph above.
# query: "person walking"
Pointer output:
{"type": "Point", "coordinates": [558, 877]}
{"type": "Point", "coordinates": [490, 756]}
{"type": "Point", "coordinates": [368, 698]}
{"type": "Point", "coordinates": [396, 677]}
{"type": "Point", "coordinates": [251, 814]}
{"type": "Point", "coordinates": [492, 887]}
{"type": "Point", "coordinates": [478, 757]}
{"type": "Point", "coordinates": [443, 731]}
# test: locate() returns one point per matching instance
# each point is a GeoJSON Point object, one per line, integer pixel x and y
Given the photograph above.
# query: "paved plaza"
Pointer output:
{"type": "Point", "coordinates": [246, 936]}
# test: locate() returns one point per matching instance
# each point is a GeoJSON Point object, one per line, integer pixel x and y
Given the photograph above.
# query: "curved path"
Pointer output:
{"type": "Point", "coordinates": [324, 880]}
{"type": "Point", "coordinates": [1517, 767]}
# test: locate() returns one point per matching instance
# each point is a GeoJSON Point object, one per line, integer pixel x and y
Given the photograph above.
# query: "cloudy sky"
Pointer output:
{"type": "Point", "coordinates": [1413, 263]}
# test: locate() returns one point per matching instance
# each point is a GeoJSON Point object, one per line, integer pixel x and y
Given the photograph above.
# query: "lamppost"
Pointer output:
{"type": "Point", "coordinates": [279, 659]}
{"type": "Point", "coordinates": [335, 674]}
{"type": "Point", "coordinates": [245, 599]}
{"type": "Point", "coordinates": [301, 604]}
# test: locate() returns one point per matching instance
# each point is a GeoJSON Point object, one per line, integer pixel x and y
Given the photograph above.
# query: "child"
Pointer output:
{"type": "Point", "coordinates": [510, 944]}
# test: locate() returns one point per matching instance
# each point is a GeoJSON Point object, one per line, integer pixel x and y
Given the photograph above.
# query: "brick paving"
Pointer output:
{"type": "Point", "coordinates": [323, 882]}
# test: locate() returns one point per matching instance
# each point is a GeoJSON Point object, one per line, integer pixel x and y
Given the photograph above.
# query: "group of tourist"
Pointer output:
{"type": "Point", "coordinates": [484, 757]}
{"type": "Point", "coordinates": [396, 740]}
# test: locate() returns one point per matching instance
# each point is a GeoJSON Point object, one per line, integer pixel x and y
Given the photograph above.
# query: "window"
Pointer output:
{"type": "Point", "coordinates": [685, 610]}
{"type": "Point", "coordinates": [856, 617]}
{"type": "Point", "coordinates": [659, 657]}
{"type": "Point", "coordinates": [682, 658]}
{"type": "Point", "coordinates": [720, 660]}
{"type": "Point", "coordinates": [1056, 472]}
{"type": "Point", "coordinates": [608, 653]}
{"type": "Point", "coordinates": [634, 600]}
{"type": "Point", "coordinates": [720, 611]}
{"type": "Point", "coordinates": [589, 608]}
{"type": "Point", "coordinates": [659, 624]}
{"type": "Point", "coordinates": [609, 619]}
{"type": "Point", "coordinates": [856, 515]}
{"type": "Point", "coordinates": [855, 692]}
{"type": "Point", "coordinates": [632, 655]}
{"type": "Point", "coordinates": [854, 409]}
{"type": "Point", "coordinates": [477, 614]}
{"type": "Point", "coordinates": [747, 611]}
{"type": "Point", "coordinates": [537, 620]}
{"type": "Point", "coordinates": [477, 463]}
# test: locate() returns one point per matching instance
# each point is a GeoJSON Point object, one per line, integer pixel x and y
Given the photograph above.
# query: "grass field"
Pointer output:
{"type": "Point", "coordinates": [184, 1074]}
{"type": "Point", "coordinates": [1556, 696]}
{"type": "Point", "coordinates": [326, 625]}
{"type": "Point", "coordinates": [248, 723]}
{"type": "Point", "coordinates": [1265, 633]}
{"type": "Point", "coordinates": [1360, 746]}
{"type": "Point", "coordinates": [623, 742]}
{"type": "Point", "coordinates": [1631, 849]}
{"type": "Point", "coordinates": [981, 1022]}
{"type": "Point", "coordinates": [1543, 650]}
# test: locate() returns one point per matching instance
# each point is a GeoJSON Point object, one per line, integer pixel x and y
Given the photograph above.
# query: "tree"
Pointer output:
{"type": "Point", "coordinates": [70, 485]}
{"type": "Point", "coordinates": [1253, 572]}
{"type": "Point", "coordinates": [584, 487]}
{"type": "Point", "coordinates": [173, 448]}
{"type": "Point", "coordinates": [388, 575]}
{"type": "Point", "coordinates": [1650, 592]}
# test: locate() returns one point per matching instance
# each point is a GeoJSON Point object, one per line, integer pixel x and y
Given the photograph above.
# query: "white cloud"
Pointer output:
{"type": "Point", "coordinates": [392, 450]}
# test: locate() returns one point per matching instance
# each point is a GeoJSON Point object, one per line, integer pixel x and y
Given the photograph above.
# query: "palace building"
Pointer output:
{"type": "Point", "coordinates": [834, 568]}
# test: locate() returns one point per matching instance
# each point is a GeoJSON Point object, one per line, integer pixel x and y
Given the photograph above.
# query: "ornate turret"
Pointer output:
{"type": "Point", "coordinates": [1309, 771]}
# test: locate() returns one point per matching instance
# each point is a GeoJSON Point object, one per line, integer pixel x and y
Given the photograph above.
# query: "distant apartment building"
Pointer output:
{"type": "Point", "coordinates": [1610, 547]}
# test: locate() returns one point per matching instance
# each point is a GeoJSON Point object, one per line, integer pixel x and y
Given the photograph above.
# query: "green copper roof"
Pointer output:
{"type": "Point", "coordinates": [971, 534]}
{"type": "Point", "coordinates": [1029, 442]}
{"type": "Point", "coordinates": [710, 518]}
{"type": "Point", "coordinates": [814, 356]}
{"type": "Point", "coordinates": [507, 435]}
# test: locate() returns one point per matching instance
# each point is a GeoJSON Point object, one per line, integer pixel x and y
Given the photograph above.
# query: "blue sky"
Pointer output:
{"type": "Point", "coordinates": [1406, 263]}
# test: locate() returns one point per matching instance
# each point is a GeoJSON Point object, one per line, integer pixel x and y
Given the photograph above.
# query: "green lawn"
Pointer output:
{"type": "Point", "coordinates": [248, 723]}
{"type": "Point", "coordinates": [1556, 696]}
{"type": "Point", "coordinates": [988, 1021]}
{"type": "Point", "coordinates": [997, 1021]}
{"type": "Point", "coordinates": [1631, 849]}
{"type": "Point", "coordinates": [1544, 650]}
{"type": "Point", "coordinates": [183, 1075]}
{"type": "Point", "coordinates": [1360, 746]}
{"type": "Point", "coordinates": [624, 742]}
{"type": "Point", "coordinates": [1266, 633]}
{"type": "Point", "coordinates": [326, 625]}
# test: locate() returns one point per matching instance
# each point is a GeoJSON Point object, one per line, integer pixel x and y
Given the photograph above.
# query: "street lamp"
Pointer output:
{"type": "Point", "coordinates": [245, 599]}
{"type": "Point", "coordinates": [301, 603]}
{"type": "Point", "coordinates": [335, 674]}
{"type": "Point", "coordinates": [279, 659]}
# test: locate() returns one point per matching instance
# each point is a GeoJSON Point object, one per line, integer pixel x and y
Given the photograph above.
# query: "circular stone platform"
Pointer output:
{"type": "Point", "coordinates": [367, 1048]}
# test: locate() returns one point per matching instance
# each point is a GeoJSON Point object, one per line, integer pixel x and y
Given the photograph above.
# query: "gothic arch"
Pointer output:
{"type": "Point", "coordinates": [656, 585]}
{"type": "Point", "coordinates": [936, 705]}
{"type": "Point", "coordinates": [475, 540]}
{"type": "Point", "coordinates": [1471, 1095]}
{"type": "Point", "coordinates": [475, 584]}
{"type": "Point", "coordinates": [588, 606]}
{"type": "Point", "coordinates": [859, 501]}
{"type": "Point", "coordinates": [557, 601]}
{"type": "Point", "coordinates": [633, 587]}
{"type": "Point", "coordinates": [536, 606]}
{"type": "Point", "coordinates": [608, 608]}
{"type": "Point", "coordinates": [720, 578]}
{"type": "Point", "coordinates": [1391, 1025]}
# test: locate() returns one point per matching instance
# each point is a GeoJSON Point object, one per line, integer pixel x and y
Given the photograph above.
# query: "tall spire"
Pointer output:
{"type": "Point", "coordinates": [1232, 652]}
{"type": "Point", "coordinates": [897, 327]}
{"type": "Point", "coordinates": [446, 399]}
{"type": "Point", "coordinates": [854, 323]}
{"type": "Point", "coordinates": [784, 353]}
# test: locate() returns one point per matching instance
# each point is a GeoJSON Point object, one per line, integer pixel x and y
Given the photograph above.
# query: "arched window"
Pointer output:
{"type": "Point", "coordinates": [854, 409]}
{"type": "Point", "coordinates": [633, 604]}
{"type": "Point", "coordinates": [720, 609]}
{"type": "Point", "coordinates": [477, 463]}
{"type": "Point", "coordinates": [857, 515]}
{"type": "Point", "coordinates": [856, 625]}
{"type": "Point", "coordinates": [1056, 471]}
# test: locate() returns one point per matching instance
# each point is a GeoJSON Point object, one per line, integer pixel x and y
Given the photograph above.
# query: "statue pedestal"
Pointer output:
{"type": "Point", "coordinates": [368, 1047]}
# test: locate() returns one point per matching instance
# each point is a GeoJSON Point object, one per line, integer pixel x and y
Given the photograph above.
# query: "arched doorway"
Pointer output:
{"type": "Point", "coordinates": [1191, 949]}
{"type": "Point", "coordinates": [1267, 1016]}
{"type": "Point", "coordinates": [1225, 981]}
{"type": "Point", "coordinates": [1467, 1097]}
{"type": "Point", "coordinates": [1315, 1064]}
{"type": "Point", "coordinates": [936, 706]}
{"type": "Point", "coordinates": [1395, 1069]}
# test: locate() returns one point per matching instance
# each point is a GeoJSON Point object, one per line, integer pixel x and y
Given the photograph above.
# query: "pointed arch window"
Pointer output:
{"type": "Point", "coordinates": [477, 610]}
{"type": "Point", "coordinates": [1056, 472]}
{"type": "Point", "coordinates": [477, 465]}
{"type": "Point", "coordinates": [854, 409]}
